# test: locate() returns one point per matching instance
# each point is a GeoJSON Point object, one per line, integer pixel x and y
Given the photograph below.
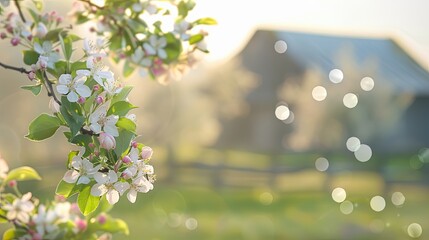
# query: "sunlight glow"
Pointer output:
{"type": "Point", "coordinates": [367, 84]}
{"type": "Point", "coordinates": [378, 203]}
{"type": "Point", "coordinates": [363, 153]}
{"type": "Point", "coordinates": [319, 93]}
{"type": "Point", "coordinates": [336, 75]}
{"type": "Point", "coordinates": [350, 100]}
{"type": "Point", "coordinates": [280, 46]}
{"type": "Point", "coordinates": [414, 230]}
{"type": "Point", "coordinates": [339, 195]}
{"type": "Point", "coordinates": [346, 207]}
{"type": "Point", "coordinates": [322, 164]}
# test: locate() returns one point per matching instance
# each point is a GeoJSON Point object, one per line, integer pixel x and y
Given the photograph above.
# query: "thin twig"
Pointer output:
{"type": "Point", "coordinates": [92, 4]}
{"type": "Point", "coordinates": [87, 132]}
{"type": "Point", "coordinates": [51, 92]}
{"type": "Point", "coordinates": [20, 11]}
{"type": "Point", "coordinates": [18, 69]}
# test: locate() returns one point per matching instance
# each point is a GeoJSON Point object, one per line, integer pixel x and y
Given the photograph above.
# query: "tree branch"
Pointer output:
{"type": "Point", "coordinates": [21, 70]}
{"type": "Point", "coordinates": [50, 89]}
{"type": "Point", "coordinates": [20, 10]}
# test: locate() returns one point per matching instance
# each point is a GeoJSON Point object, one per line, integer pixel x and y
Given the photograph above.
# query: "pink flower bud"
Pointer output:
{"type": "Point", "coordinates": [81, 100]}
{"type": "Point", "coordinates": [102, 219]}
{"type": "Point", "coordinates": [92, 29]}
{"type": "Point", "coordinates": [31, 75]}
{"type": "Point", "coordinates": [96, 153]}
{"type": "Point", "coordinates": [126, 159]}
{"type": "Point", "coordinates": [81, 224]}
{"type": "Point", "coordinates": [134, 144]}
{"type": "Point", "coordinates": [60, 198]}
{"type": "Point", "coordinates": [127, 174]}
{"type": "Point", "coordinates": [91, 145]}
{"type": "Point", "coordinates": [12, 184]}
{"type": "Point", "coordinates": [3, 35]}
{"type": "Point", "coordinates": [60, 19]}
{"type": "Point", "coordinates": [15, 41]}
{"type": "Point", "coordinates": [96, 87]}
{"type": "Point", "coordinates": [74, 208]}
{"type": "Point", "coordinates": [9, 29]}
{"type": "Point", "coordinates": [107, 141]}
{"type": "Point", "coordinates": [30, 37]}
{"type": "Point", "coordinates": [146, 152]}
{"type": "Point", "coordinates": [122, 55]}
{"type": "Point", "coordinates": [99, 100]}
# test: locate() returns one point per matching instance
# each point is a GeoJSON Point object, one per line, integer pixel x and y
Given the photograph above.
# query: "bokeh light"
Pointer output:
{"type": "Point", "coordinates": [353, 144]}
{"type": "Point", "coordinates": [346, 207]}
{"type": "Point", "coordinates": [322, 164]}
{"type": "Point", "coordinates": [290, 119]}
{"type": "Point", "coordinates": [414, 230]}
{"type": "Point", "coordinates": [336, 75]}
{"type": "Point", "coordinates": [280, 46]}
{"type": "Point", "coordinates": [398, 199]}
{"type": "Point", "coordinates": [339, 195]}
{"type": "Point", "coordinates": [266, 198]}
{"type": "Point", "coordinates": [350, 100]}
{"type": "Point", "coordinates": [363, 153]}
{"type": "Point", "coordinates": [378, 203]}
{"type": "Point", "coordinates": [367, 84]}
{"type": "Point", "coordinates": [282, 112]}
{"type": "Point", "coordinates": [319, 93]}
{"type": "Point", "coordinates": [191, 223]}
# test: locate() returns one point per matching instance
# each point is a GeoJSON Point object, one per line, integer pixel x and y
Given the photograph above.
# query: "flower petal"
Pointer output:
{"type": "Point", "coordinates": [149, 49]}
{"type": "Point", "coordinates": [72, 96]}
{"type": "Point", "coordinates": [95, 127]}
{"type": "Point", "coordinates": [71, 176]}
{"type": "Point", "coordinates": [132, 195]}
{"type": "Point", "coordinates": [162, 54]}
{"type": "Point", "coordinates": [83, 90]}
{"type": "Point", "coordinates": [98, 189]}
{"type": "Point", "coordinates": [83, 180]}
{"type": "Point", "coordinates": [62, 89]}
{"type": "Point", "coordinates": [101, 177]}
{"type": "Point", "coordinates": [112, 130]}
{"type": "Point", "coordinates": [83, 72]}
{"type": "Point", "coordinates": [113, 176]}
{"type": "Point", "coordinates": [65, 79]}
{"type": "Point", "coordinates": [121, 187]}
{"type": "Point", "coordinates": [112, 196]}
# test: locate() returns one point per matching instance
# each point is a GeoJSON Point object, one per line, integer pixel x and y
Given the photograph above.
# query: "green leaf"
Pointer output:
{"type": "Point", "coordinates": [115, 42]}
{"type": "Point", "coordinates": [35, 89]}
{"type": "Point", "coordinates": [103, 207]}
{"type": "Point", "coordinates": [128, 69]}
{"type": "Point", "coordinates": [206, 21]}
{"type": "Point", "coordinates": [67, 189]}
{"type": "Point", "coordinates": [183, 9]}
{"type": "Point", "coordinates": [120, 108]}
{"type": "Point", "coordinates": [10, 234]}
{"type": "Point", "coordinates": [22, 174]}
{"type": "Point", "coordinates": [86, 202]}
{"type": "Point", "coordinates": [72, 115]}
{"type": "Point", "coordinates": [123, 141]}
{"type": "Point", "coordinates": [122, 95]}
{"type": "Point", "coordinates": [173, 48]}
{"type": "Point", "coordinates": [66, 46]}
{"type": "Point", "coordinates": [3, 213]}
{"type": "Point", "coordinates": [44, 126]}
{"type": "Point", "coordinates": [30, 57]}
{"type": "Point", "coordinates": [60, 68]}
{"type": "Point", "coordinates": [74, 37]}
{"type": "Point", "coordinates": [78, 65]}
{"type": "Point", "coordinates": [70, 157]}
{"type": "Point", "coordinates": [34, 15]}
{"type": "Point", "coordinates": [126, 124]}
{"type": "Point", "coordinates": [196, 38]}
{"type": "Point", "coordinates": [112, 225]}
{"type": "Point", "coordinates": [54, 35]}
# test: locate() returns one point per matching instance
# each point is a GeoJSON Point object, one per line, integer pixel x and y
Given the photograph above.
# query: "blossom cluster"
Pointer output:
{"type": "Point", "coordinates": [157, 37]}
{"type": "Point", "coordinates": [56, 220]}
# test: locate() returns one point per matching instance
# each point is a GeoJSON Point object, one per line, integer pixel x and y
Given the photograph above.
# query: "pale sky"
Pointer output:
{"type": "Point", "coordinates": [408, 19]}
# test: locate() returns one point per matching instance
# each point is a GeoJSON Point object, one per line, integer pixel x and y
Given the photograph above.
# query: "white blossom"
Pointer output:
{"type": "Point", "coordinates": [5, 3]}
{"type": "Point", "coordinates": [73, 87]}
{"type": "Point", "coordinates": [156, 46]}
{"type": "Point", "coordinates": [82, 170]}
{"type": "Point", "coordinates": [140, 184]}
{"type": "Point", "coordinates": [108, 184]}
{"type": "Point", "coordinates": [4, 168]}
{"type": "Point", "coordinates": [47, 50]}
{"type": "Point", "coordinates": [100, 122]}
{"type": "Point", "coordinates": [181, 29]}
{"type": "Point", "coordinates": [20, 209]}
